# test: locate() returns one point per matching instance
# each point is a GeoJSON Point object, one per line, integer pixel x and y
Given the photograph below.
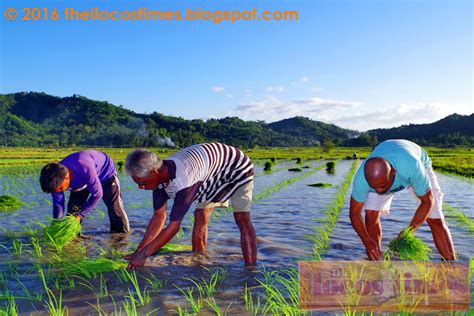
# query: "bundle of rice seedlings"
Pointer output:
{"type": "Point", "coordinates": [409, 247]}
{"type": "Point", "coordinates": [61, 231]}
{"type": "Point", "coordinates": [331, 166]}
{"type": "Point", "coordinates": [295, 169]}
{"type": "Point", "coordinates": [9, 203]}
{"type": "Point", "coordinates": [174, 248]}
{"type": "Point", "coordinates": [268, 166]}
{"type": "Point", "coordinates": [91, 267]}
{"type": "Point", "coordinates": [320, 185]}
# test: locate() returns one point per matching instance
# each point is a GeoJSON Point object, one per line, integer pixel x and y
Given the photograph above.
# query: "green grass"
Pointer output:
{"type": "Point", "coordinates": [61, 231]}
{"type": "Point", "coordinates": [27, 160]}
{"type": "Point", "coordinates": [457, 161]}
{"type": "Point", "coordinates": [320, 185]}
{"type": "Point", "coordinates": [409, 247]}
{"type": "Point", "coordinates": [9, 203]}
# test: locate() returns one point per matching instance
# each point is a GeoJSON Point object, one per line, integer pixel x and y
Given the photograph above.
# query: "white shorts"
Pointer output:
{"type": "Point", "coordinates": [381, 203]}
{"type": "Point", "coordinates": [241, 200]}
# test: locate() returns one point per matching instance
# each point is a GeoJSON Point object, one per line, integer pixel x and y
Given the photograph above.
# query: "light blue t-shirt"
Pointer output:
{"type": "Point", "coordinates": [407, 158]}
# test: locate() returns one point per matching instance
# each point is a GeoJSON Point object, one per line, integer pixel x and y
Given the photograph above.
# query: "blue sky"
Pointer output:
{"type": "Point", "coordinates": [358, 64]}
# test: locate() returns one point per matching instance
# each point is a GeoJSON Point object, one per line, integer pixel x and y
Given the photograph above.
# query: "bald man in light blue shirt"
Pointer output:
{"type": "Point", "coordinates": [395, 165]}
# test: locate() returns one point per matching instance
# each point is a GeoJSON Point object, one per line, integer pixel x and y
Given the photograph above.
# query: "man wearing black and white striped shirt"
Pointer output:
{"type": "Point", "coordinates": [208, 174]}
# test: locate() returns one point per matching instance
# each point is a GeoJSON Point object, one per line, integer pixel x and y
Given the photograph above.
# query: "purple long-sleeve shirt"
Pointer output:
{"type": "Point", "coordinates": [89, 168]}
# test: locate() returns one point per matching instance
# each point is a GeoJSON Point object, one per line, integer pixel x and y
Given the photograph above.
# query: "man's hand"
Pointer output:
{"type": "Point", "coordinates": [136, 259]}
{"type": "Point", "coordinates": [373, 250]}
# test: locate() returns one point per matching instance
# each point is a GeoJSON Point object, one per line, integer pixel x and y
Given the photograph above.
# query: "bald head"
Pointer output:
{"type": "Point", "coordinates": [379, 174]}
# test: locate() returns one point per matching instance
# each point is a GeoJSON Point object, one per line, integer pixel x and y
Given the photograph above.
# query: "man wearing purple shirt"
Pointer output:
{"type": "Point", "coordinates": [91, 176]}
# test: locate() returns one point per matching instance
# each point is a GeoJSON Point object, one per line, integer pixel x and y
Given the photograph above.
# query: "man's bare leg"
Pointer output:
{"type": "Point", "coordinates": [201, 218]}
{"type": "Point", "coordinates": [248, 238]}
{"type": "Point", "coordinates": [442, 238]}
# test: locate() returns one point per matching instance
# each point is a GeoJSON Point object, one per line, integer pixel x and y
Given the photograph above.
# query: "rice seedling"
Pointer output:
{"type": "Point", "coordinates": [143, 296]}
{"type": "Point", "coordinates": [174, 248]}
{"type": "Point", "coordinates": [11, 308]}
{"type": "Point", "coordinates": [61, 231]}
{"type": "Point", "coordinates": [54, 305]}
{"type": "Point", "coordinates": [205, 291]}
{"type": "Point", "coordinates": [250, 305]}
{"type": "Point", "coordinates": [207, 288]}
{"type": "Point", "coordinates": [266, 192]}
{"type": "Point", "coordinates": [331, 166]}
{"type": "Point", "coordinates": [180, 233]}
{"type": "Point", "coordinates": [409, 247]}
{"type": "Point", "coordinates": [9, 203]}
{"type": "Point", "coordinates": [129, 305]}
{"type": "Point", "coordinates": [195, 304]}
{"type": "Point", "coordinates": [324, 230]}
{"type": "Point", "coordinates": [37, 251]}
{"type": "Point", "coordinates": [268, 166]}
{"type": "Point", "coordinates": [460, 217]}
{"type": "Point", "coordinates": [281, 292]}
{"type": "Point", "coordinates": [90, 267]}
{"type": "Point", "coordinates": [30, 231]}
{"type": "Point", "coordinates": [120, 165]}
{"type": "Point", "coordinates": [154, 282]}
{"type": "Point", "coordinates": [320, 185]}
{"type": "Point", "coordinates": [122, 275]}
{"type": "Point", "coordinates": [212, 304]}
{"type": "Point", "coordinates": [183, 311]}
{"type": "Point", "coordinates": [295, 169]}
{"type": "Point", "coordinates": [17, 247]}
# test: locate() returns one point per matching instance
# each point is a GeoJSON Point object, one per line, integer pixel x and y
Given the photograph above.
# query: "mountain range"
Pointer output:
{"type": "Point", "coordinates": [40, 119]}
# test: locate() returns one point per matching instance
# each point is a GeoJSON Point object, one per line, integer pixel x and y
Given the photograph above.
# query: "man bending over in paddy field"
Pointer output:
{"type": "Point", "coordinates": [91, 176]}
{"type": "Point", "coordinates": [393, 166]}
{"type": "Point", "coordinates": [208, 174]}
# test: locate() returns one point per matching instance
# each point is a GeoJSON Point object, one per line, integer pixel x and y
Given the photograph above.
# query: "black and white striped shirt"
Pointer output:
{"type": "Point", "coordinates": [203, 173]}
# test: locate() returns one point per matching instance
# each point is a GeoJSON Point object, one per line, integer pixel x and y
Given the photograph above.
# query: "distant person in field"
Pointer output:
{"type": "Point", "coordinates": [395, 165]}
{"type": "Point", "coordinates": [207, 174]}
{"type": "Point", "coordinates": [91, 176]}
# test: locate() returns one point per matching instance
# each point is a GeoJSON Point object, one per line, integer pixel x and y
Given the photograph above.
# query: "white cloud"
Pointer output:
{"type": "Point", "coordinates": [273, 109]}
{"type": "Point", "coordinates": [347, 114]}
{"type": "Point", "coordinates": [417, 113]}
{"type": "Point", "coordinates": [278, 88]}
{"type": "Point", "coordinates": [218, 89]}
{"type": "Point", "coordinates": [304, 79]}
{"type": "Point", "coordinates": [317, 89]}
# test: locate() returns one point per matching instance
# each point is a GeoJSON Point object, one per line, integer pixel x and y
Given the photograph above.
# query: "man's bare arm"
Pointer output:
{"type": "Point", "coordinates": [154, 228]}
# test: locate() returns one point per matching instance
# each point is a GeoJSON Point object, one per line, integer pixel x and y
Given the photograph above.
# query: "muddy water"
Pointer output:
{"type": "Point", "coordinates": [282, 220]}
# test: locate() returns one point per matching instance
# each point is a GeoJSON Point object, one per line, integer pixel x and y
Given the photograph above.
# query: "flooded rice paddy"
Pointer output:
{"type": "Point", "coordinates": [285, 212]}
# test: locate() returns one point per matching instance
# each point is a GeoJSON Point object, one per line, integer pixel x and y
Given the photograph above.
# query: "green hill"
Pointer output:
{"type": "Point", "coordinates": [39, 119]}
{"type": "Point", "coordinates": [453, 130]}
